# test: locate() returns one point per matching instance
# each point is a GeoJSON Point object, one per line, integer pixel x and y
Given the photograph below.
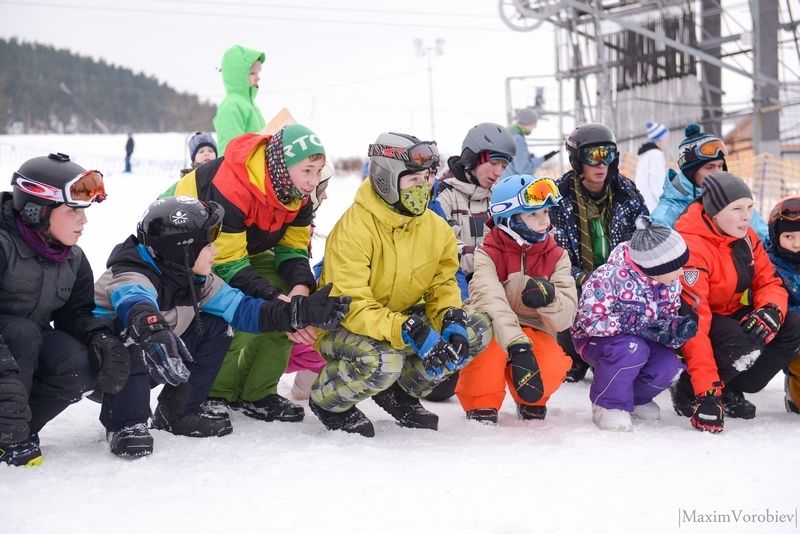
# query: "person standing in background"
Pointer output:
{"type": "Point", "coordinates": [524, 162]}
{"type": "Point", "coordinates": [238, 114]}
{"type": "Point", "coordinates": [128, 152]}
{"type": "Point", "coordinates": [652, 164]}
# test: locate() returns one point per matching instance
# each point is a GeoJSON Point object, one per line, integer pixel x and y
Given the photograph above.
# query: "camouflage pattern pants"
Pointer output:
{"type": "Point", "coordinates": [359, 366]}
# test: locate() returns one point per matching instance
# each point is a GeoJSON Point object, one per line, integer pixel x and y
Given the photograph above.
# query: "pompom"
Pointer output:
{"type": "Point", "coordinates": [692, 129]}
{"type": "Point", "coordinates": [643, 222]}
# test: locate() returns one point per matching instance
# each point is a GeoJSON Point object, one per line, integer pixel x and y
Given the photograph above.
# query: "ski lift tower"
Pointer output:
{"type": "Point", "coordinates": [628, 62]}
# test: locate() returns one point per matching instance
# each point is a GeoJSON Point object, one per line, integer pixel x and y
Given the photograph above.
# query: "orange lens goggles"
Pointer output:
{"type": "Point", "coordinates": [711, 148]}
{"type": "Point", "coordinates": [538, 192]}
{"type": "Point", "coordinates": [86, 188]}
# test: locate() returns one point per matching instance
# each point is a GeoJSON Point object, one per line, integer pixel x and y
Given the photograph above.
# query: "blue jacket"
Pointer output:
{"type": "Point", "coordinates": [789, 273]}
{"type": "Point", "coordinates": [679, 192]}
{"type": "Point", "coordinates": [524, 162]}
{"type": "Point", "coordinates": [627, 204]}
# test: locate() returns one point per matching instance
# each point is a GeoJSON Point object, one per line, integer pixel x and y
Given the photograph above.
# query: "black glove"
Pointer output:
{"type": "Point", "coordinates": [113, 360]}
{"type": "Point", "coordinates": [707, 414]}
{"type": "Point", "coordinates": [525, 373]}
{"type": "Point", "coordinates": [550, 154]}
{"type": "Point", "coordinates": [163, 352]}
{"type": "Point", "coordinates": [683, 328]}
{"type": "Point", "coordinates": [318, 309]}
{"type": "Point", "coordinates": [436, 354]}
{"type": "Point", "coordinates": [538, 292]}
{"type": "Point", "coordinates": [581, 279]}
{"type": "Point", "coordinates": [762, 324]}
{"type": "Point", "coordinates": [253, 284]}
{"type": "Point", "coordinates": [14, 410]}
{"type": "Point", "coordinates": [454, 331]}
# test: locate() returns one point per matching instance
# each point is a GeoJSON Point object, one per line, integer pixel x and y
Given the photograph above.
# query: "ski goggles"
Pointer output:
{"type": "Point", "coordinates": [80, 192]}
{"type": "Point", "coordinates": [419, 157]}
{"type": "Point", "coordinates": [705, 150]}
{"type": "Point", "coordinates": [787, 209]}
{"type": "Point", "coordinates": [594, 156]}
{"type": "Point", "coordinates": [539, 194]}
{"type": "Point", "coordinates": [213, 225]}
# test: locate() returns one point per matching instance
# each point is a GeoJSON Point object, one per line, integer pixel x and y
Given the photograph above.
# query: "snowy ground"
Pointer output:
{"type": "Point", "coordinates": [559, 475]}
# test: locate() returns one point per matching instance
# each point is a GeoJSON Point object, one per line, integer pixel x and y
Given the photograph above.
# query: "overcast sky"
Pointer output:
{"type": "Point", "coordinates": [347, 69]}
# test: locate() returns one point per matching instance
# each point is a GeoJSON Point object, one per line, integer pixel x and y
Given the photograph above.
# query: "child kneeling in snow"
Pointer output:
{"type": "Point", "coordinates": [175, 317]}
{"type": "Point", "coordinates": [628, 325]}
{"type": "Point", "coordinates": [523, 282]}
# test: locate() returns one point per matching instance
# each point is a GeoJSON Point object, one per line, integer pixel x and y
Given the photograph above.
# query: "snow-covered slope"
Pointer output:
{"type": "Point", "coordinates": [558, 475]}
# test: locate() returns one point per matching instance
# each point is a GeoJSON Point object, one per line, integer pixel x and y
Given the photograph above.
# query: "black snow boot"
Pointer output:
{"type": "Point", "coordinates": [199, 423]}
{"type": "Point", "coordinates": [529, 413]}
{"type": "Point", "coordinates": [272, 408]}
{"type": "Point", "coordinates": [578, 370]}
{"type": "Point", "coordinates": [406, 409]}
{"type": "Point", "coordinates": [353, 420]}
{"type": "Point", "coordinates": [682, 394]}
{"type": "Point", "coordinates": [25, 453]}
{"type": "Point", "coordinates": [736, 406]}
{"type": "Point", "coordinates": [487, 416]}
{"type": "Point", "coordinates": [131, 441]}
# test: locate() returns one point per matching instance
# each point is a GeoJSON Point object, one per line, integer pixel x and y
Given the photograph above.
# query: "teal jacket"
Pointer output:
{"type": "Point", "coordinates": [237, 114]}
{"type": "Point", "coordinates": [679, 192]}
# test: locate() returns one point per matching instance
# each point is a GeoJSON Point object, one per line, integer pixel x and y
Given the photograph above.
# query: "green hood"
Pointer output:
{"type": "Point", "coordinates": [236, 65]}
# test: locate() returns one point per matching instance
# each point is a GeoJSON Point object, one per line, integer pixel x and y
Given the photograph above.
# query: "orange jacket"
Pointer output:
{"type": "Point", "coordinates": [715, 284]}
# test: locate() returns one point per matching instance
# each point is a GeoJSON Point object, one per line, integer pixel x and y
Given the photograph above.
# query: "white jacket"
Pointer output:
{"type": "Point", "coordinates": [650, 171]}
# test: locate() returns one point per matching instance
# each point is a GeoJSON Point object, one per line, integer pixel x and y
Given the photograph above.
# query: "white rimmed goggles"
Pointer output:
{"type": "Point", "coordinates": [80, 192]}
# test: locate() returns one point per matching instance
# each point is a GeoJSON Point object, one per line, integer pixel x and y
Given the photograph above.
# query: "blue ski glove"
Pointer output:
{"type": "Point", "coordinates": [454, 331]}
{"type": "Point", "coordinates": [436, 354]}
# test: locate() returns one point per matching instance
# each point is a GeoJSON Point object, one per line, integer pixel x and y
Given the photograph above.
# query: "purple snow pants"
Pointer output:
{"type": "Point", "coordinates": [629, 370]}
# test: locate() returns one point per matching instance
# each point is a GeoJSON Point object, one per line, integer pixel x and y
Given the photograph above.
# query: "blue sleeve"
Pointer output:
{"type": "Point", "coordinates": [124, 296]}
{"type": "Point", "coordinates": [225, 303]}
{"type": "Point", "coordinates": [317, 269]}
{"type": "Point", "coordinates": [463, 285]}
{"type": "Point", "coordinates": [757, 223]}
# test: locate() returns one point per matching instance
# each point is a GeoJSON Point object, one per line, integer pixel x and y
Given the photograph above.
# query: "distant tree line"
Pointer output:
{"type": "Point", "coordinates": [44, 89]}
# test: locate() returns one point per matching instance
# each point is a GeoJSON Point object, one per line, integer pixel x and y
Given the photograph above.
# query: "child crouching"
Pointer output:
{"type": "Point", "coordinates": [628, 325]}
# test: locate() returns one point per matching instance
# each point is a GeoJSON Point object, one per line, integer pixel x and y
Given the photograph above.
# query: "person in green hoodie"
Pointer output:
{"type": "Point", "coordinates": [238, 114]}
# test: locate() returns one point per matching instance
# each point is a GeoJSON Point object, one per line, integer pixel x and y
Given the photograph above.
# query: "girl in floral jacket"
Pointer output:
{"type": "Point", "coordinates": [628, 325]}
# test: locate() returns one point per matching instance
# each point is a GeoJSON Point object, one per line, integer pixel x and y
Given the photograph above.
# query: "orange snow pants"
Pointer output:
{"type": "Point", "coordinates": [482, 383]}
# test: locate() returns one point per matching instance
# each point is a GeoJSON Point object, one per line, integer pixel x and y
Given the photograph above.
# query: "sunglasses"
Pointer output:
{"type": "Point", "coordinates": [594, 156]}
{"type": "Point", "coordinates": [80, 192]}
{"type": "Point", "coordinates": [708, 149]}
{"type": "Point", "coordinates": [539, 194]}
{"type": "Point", "coordinates": [787, 209]}
{"type": "Point", "coordinates": [419, 157]}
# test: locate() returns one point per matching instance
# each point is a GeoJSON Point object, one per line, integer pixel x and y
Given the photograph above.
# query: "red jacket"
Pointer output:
{"type": "Point", "coordinates": [508, 255]}
{"type": "Point", "coordinates": [715, 282]}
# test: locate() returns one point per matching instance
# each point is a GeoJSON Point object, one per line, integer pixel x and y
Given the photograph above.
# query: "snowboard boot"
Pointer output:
{"type": "Point", "coordinates": [131, 441]}
{"type": "Point", "coordinates": [406, 409]}
{"type": "Point", "coordinates": [682, 396]}
{"type": "Point", "coordinates": [487, 416]}
{"type": "Point", "coordinates": [526, 412]}
{"type": "Point", "coordinates": [736, 406]}
{"type": "Point", "coordinates": [578, 370]}
{"type": "Point", "coordinates": [444, 390]}
{"type": "Point", "coordinates": [647, 412]}
{"type": "Point", "coordinates": [353, 420]}
{"type": "Point", "coordinates": [25, 453]}
{"type": "Point", "coordinates": [199, 423]}
{"type": "Point", "coordinates": [272, 408]}
{"type": "Point", "coordinates": [216, 406]}
{"type": "Point", "coordinates": [611, 419]}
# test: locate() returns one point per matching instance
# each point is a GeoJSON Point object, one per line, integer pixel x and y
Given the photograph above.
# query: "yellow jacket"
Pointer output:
{"type": "Point", "coordinates": [387, 262]}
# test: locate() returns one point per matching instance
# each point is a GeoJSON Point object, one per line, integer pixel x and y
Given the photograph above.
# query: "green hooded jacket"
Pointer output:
{"type": "Point", "coordinates": [237, 114]}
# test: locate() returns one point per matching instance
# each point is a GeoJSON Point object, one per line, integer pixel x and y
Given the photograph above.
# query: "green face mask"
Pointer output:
{"type": "Point", "coordinates": [415, 199]}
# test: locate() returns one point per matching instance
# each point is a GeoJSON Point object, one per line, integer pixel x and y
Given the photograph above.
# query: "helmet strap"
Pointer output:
{"type": "Point", "coordinates": [188, 264]}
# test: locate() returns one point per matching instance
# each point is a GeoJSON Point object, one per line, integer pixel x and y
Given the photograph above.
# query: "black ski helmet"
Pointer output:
{"type": "Point", "coordinates": [486, 136]}
{"type": "Point", "coordinates": [54, 170]}
{"type": "Point", "coordinates": [588, 135]}
{"type": "Point", "coordinates": [176, 229]}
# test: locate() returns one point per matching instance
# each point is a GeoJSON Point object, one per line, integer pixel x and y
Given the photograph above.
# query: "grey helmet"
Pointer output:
{"type": "Point", "coordinates": [587, 135]}
{"type": "Point", "coordinates": [486, 136]}
{"type": "Point", "coordinates": [385, 173]}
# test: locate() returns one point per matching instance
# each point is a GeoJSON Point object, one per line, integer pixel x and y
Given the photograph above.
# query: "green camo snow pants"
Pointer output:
{"type": "Point", "coordinates": [360, 366]}
{"type": "Point", "coordinates": [254, 363]}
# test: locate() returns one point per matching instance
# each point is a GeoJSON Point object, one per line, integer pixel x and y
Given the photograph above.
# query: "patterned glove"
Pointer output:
{"type": "Point", "coordinates": [762, 324]}
{"type": "Point", "coordinates": [436, 354]}
{"type": "Point", "coordinates": [454, 331]}
{"type": "Point", "coordinates": [149, 337]}
{"type": "Point", "coordinates": [707, 414]}
{"type": "Point", "coordinates": [538, 292]}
